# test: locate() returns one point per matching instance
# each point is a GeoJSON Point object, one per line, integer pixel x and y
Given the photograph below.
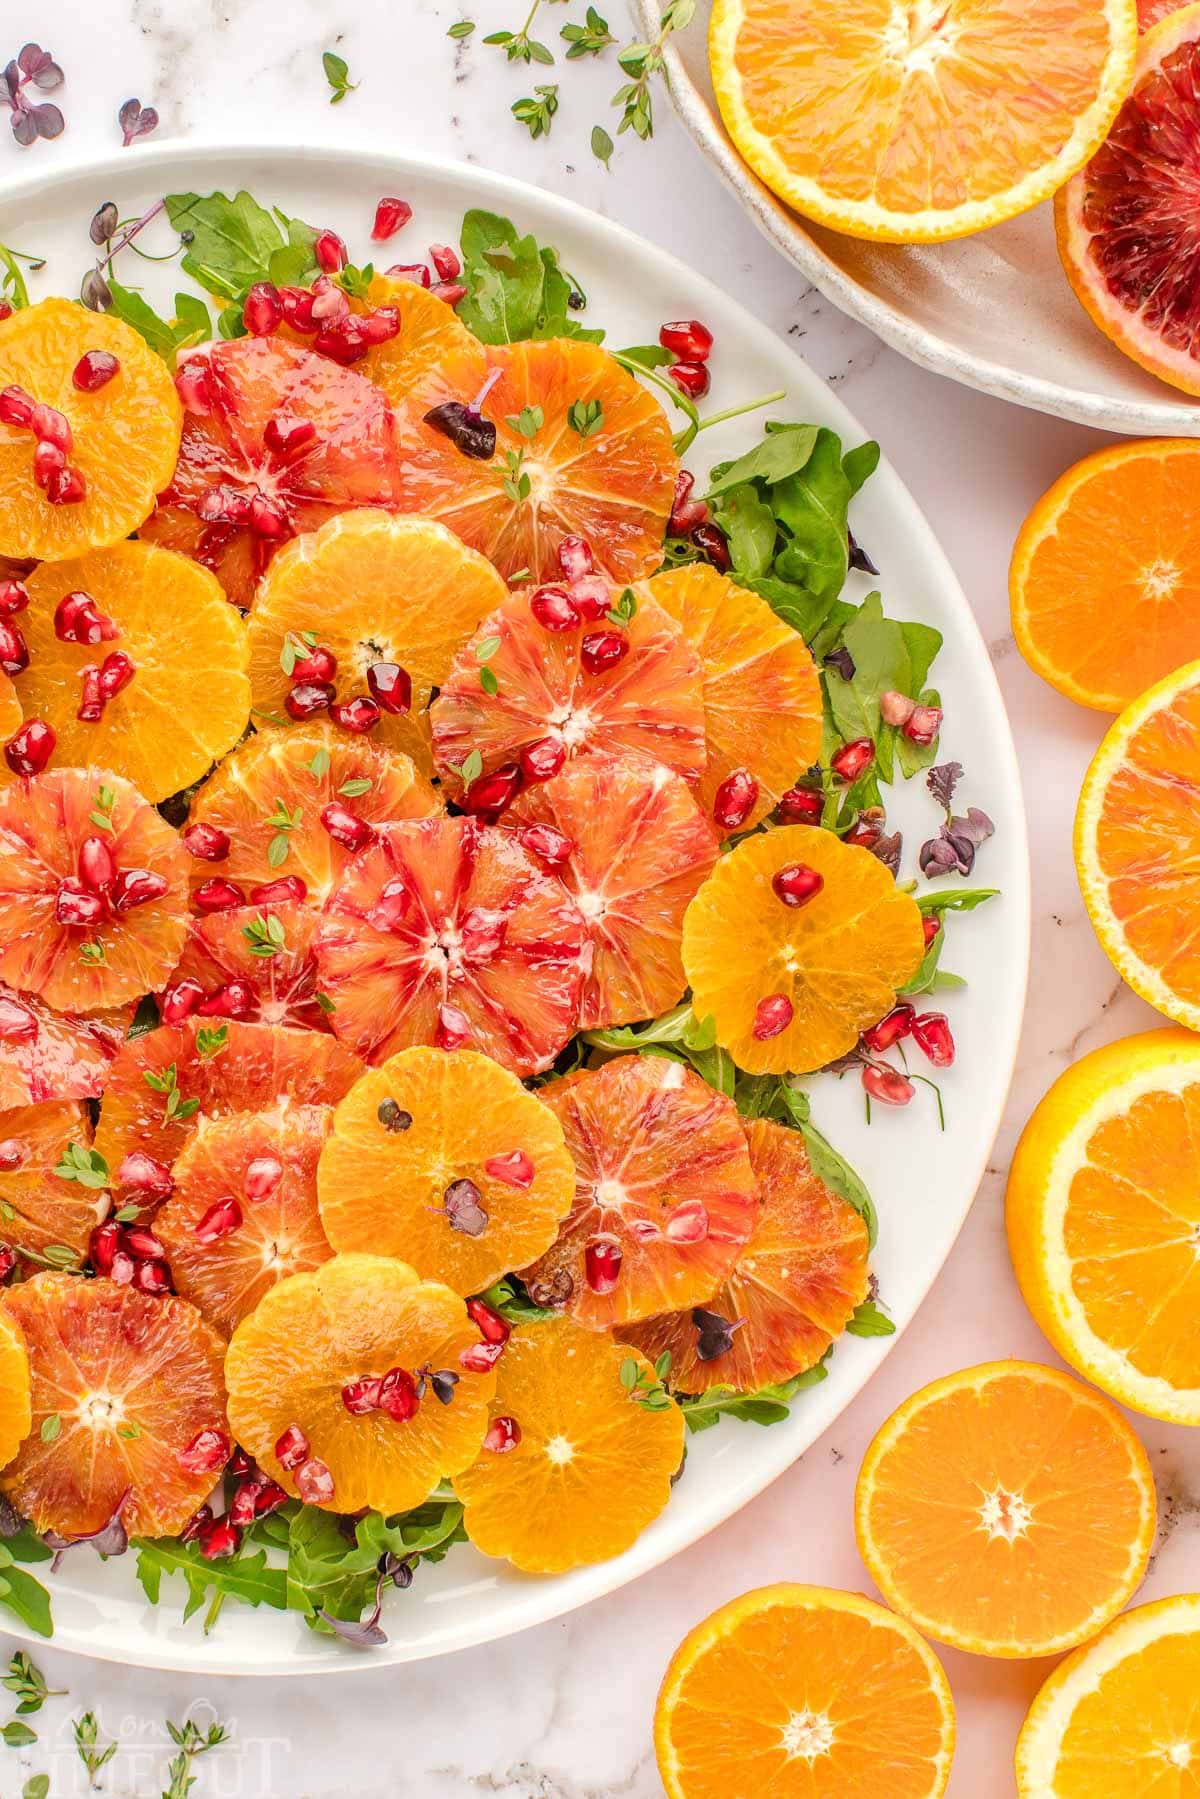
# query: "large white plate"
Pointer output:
{"type": "Point", "coordinates": [923, 1180]}
{"type": "Point", "coordinates": [994, 310]}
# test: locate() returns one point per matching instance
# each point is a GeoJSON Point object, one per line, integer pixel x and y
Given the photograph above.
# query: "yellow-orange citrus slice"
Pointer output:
{"type": "Point", "coordinates": [15, 1412]}
{"type": "Point", "coordinates": [430, 332]}
{"type": "Point", "coordinates": [10, 709]}
{"type": "Point", "coordinates": [1007, 1510]}
{"type": "Point", "coordinates": [804, 1691]}
{"type": "Point", "coordinates": [40, 1210]}
{"type": "Point", "coordinates": [574, 1466]}
{"type": "Point", "coordinates": [254, 962]}
{"type": "Point", "coordinates": [55, 1055]}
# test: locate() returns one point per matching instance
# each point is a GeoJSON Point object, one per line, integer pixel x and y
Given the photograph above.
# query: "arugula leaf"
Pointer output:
{"type": "Point", "coordinates": [955, 899]}
{"type": "Point", "coordinates": [929, 976]}
{"type": "Point", "coordinates": [887, 655]}
{"type": "Point", "coordinates": [236, 242]}
{"type": "Point", "coordinates": [324, 1570]}
{"type": "Point", "coordinates": [769, 1405]}
{"type": "Point", "coordinates": [516, 288]}
{"type": "Point", "coordinates": [832, 1168]}
{"type": "Point", "coordinates": [870, 1321]}
{"type": "Point", "coordinates": [749, 524]}
{"type": "Point", "coordinates": [191, 324]}
{"type": "Point", "coordinates": [509, 1298]}
{"type": "Point", "coordinates": [247, 1577]}
{"type": "Point", "coordinates": [784, 451]}
{"type": "Point", "coordinates": [20, 1593]}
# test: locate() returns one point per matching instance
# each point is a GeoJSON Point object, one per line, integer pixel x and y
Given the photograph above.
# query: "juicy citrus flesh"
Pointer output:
{"type": "Point", "coordinates": [76, 968]}
{"type": "Point", "coordinates": [593, 1466]}
{"type": "Point", "coordinates": [642, 847]}
{"type": "Point", "coordinates": [372, 588]}
{"type": "Point", "coordinates": [125, 437]}
{"type": "Point", "coordinates": [663, 1175]}
{"type": "Point", "coordinates": [1119, 1715]}
{"type": "Point", "coordinates": [1007, 1510]}
{"type": "Point", "coordinates": [66, 1056]}
{"type": "Point", "coordinates": [762, 694]}
{"type": "Point", "coordinates": [1103, 1217]}
{"type": "Point", "coordinates": [278, 1236]}
{"type": "Point", "coordinates": [1153, 12]}
{"type": "Point", "coordinates": [1124, 223]}
{"type": "Point", "coordinates": [390, 1190]}
{"type": "Point", "coordinates": [299, 773]}
{"type": "Point", "coordinates": [839, 959]}
{"type": "Point", "coordinates": [189, 700]}
{"type": "Point", "coordinates": [240, 1068]}
{"type": "Point", "coordinates": [1137, 845]}
{"type": "Point", "coordinates": [448, 912]}
{"type": "Point", "coordinates": [924, 122]}
{"type": "Point", "coordinates": [649, 704]}
{"type": "Point", "coordinates": [131, 1381]}
{"type": "Point", "coordinates": [271, 949]}
{"type": "Point", "coordinates": [354, 1317]}
{"type": "Point", "coordinates": [1105, 576]}
{"type": "Point", "coordinates": [430, 332]}
{"type": "Point", "coordinates": [10, 708]}
{"type": "Point", "coordinates": [614, 487]}
{"type": "Point", "coordinates": [793, 1288]}
{"type": "Point", "coordinates": [349, 462]}
{"type": "Point", "coordinates": [808, 1693]}
{"type": "Point", "coordinates": [39, 1210]}
{"type": "Point", "coordinates": [15, 1410]}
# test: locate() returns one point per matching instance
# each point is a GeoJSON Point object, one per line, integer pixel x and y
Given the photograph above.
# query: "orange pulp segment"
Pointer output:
{"type": "Point", "coordinates": [40, 1210]}
{"type": "Point", "coordinates": [15, 1410]}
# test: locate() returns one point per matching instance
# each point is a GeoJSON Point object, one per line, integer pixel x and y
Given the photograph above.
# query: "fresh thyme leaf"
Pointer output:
{"type": "Point", "coordinates": [536, 111]}
{"type": "Point", "coordinates": [588, 39]}
{"type": "Point", "coordinates": [191, 1743]}
{"type": "Point", "coordinates": [462, 28]}
{"type": "Point", "coordinates": [354, 789]}
{"type": "Point", "coordinates": [265, 935]}
{"type": "Point", "coordinates": [585, 416]}
{"type": "Point", "coordinates": [210, 1041]}
{"type": "Point", "coordinates": [602, 145]}
{"type": "Point", "coordinates": [488, 681]}
{"type": "Point", "coordinates": [337, 74]}
{"type": "Point", "coordinates": [87, 1166]}
{"type": "Point", "coordinates": [528, 422]}
{"type": "Point", "coordinates": [87, 1745]}
{"type": "Point", "coordinates": [51, 1429]}
{"type": "Point", "coordinates": [17, 1735]}
{"type": "Point", "coordinates": [36, 1787]}
{"type": "Point", "coordinates": [26, 1681]}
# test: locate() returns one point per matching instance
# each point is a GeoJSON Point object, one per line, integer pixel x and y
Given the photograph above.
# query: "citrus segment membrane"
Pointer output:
{"type": "Point", "coordinates": [257, 963]}
{"type": "Point", "coordinates": [15, 1411]}
{"type": "Point", "coordinates": [40, 1210]}
{"type": "Point", "coordinates": [55, 1055]}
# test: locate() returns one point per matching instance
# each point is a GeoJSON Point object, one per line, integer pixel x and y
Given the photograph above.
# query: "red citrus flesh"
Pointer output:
{"type": "Point", "coordinates": [269, 951]}
{"type": "Point", "coordinates": [55, 1055]}
{"type": "Point", "coordinates": [39, 1210]}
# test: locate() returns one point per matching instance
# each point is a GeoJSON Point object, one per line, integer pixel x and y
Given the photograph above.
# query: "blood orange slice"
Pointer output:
{"type": "Point", "coordinates": [244, 1215]}
{"type": "Point", "coordinates": [122, 1384]}
{"type": "Point", "coordinates": [637, 847]}
{"type": "Point", "coordinates": [275, 441]}
{"type": "Point", "coordinates": [254, 962]}
{"type": "Point", "coordinates": [551, 697]}
{"type": "Point", "coordinates": [55, 1055]}
{"type": "Point", "coordinates": [545, 481]}
{"type": "Point", "coordinates": [15, 1411]}
{"type": "Point", "coordinates": [346, 1326]}
{"type": "Point", "coordinates": [93, 890]}
{"type": "Point", "coordinates": [792, 1289]}
{"type": "Point", "coordinates": [665, 1195]}
{"type": "Point", "coordinates": [39, 1209]}
{"type": "Point", "coordinates": [446, 1161]}
{"type": "Point", "coordinates": [446, 932]}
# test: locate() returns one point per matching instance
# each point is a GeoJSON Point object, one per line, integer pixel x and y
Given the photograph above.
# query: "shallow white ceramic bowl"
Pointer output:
{"type": "Point", "coordinates": [994, 310]}
{"type": "Point", "coordinates": [923, 1181]}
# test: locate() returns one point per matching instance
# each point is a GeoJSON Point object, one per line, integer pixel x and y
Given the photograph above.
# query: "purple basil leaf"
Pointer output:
{"type": "Point", "coordinates": [48, 121]}
{"type": "Point", "coordinates": [127, 117]}
{"type": "Point", "coordinates": [714, 1334]}
{"type": "Point", "coordinates": [24, 128]}
{"type": "Point", "coordinates": [12, 80]}
{"type": "Point", "coordinates": [887, 850]}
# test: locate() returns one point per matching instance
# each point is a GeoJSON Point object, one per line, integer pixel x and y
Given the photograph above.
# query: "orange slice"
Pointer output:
{"type": "Point", "coordinates": [447, 1162]}
{"type": "Point", "coordinates": [817, 1692]}
{"type": "Point", "coordinates": [665, 1196]}
{"type": "Point", "coordinates": [55, 1055]}
{"type": "Point", "coordinates": [268, 798]}
{"type": "Point", "coordinates": [548, 700]}
{"type": "Point", "coordinates": [129, 946]}
{"type": "Point", "coordinates": [762, 694]}
{"type": "Point", "coordinates": [124, 437]}
{"type": "Point", "coordinates": [430, 333]}
{"type": "Point", "coordinates": [374, 590]}
{"type": "Point", "coordinates": [1137, 845]}
{"type": "Point", "coordinates": [10, 710]}
{"type": "Point", "coordinates": [122, 1384]}
{"type": "Point", "coordinates": [613, 488]}
{"type": "Point", "coordinates": [1007, 1510]}
{"type": "Point", "coordinates": [15, 1411]}
{"type": "Point", "coordinates": [252, 1178]}
{"type": "Point", "coordinates": [791, 987]}
{"type": "Point", "coordinates": [1152, 12]}
{"type": "Point", "coordinates": [255, 962]}
{"type": "Point", "coordinates": [792, 1290]}
{"type": "Point", "coordinates": [355, 1319]}
{"type": "Point", "coordinates": [639, 847]}
{"type": "Point", "coordinates": [445, 931]}
{"type": "Point", "coordinates": [574, 1466]}
{"type": "Point", "coordinates": [40, 1210]}
{"type": "Point", "coordinates": [927, 124]}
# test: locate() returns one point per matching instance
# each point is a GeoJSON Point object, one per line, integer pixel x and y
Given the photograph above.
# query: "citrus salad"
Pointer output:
{"type": "Point", "coordinates": [438, 832]}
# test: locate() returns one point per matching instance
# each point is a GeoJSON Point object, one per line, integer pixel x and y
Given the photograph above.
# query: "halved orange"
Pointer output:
{"type": "Point", "coordinates": [55, 1055]}
{"type": "Point", "coordinates": [639, 849]}
{"type": "Point", "coordinates": [269, 951]}
{"type": "Point", "coordinates": [124, 436]}
{"type": "Point", "coordinates": [762, 694]}
{"type": "Point", "coordinates": [375, 590]}
{"type": "Point", "coordinates": [546, 481]}
{"type": "Point", "coordinates": [16, 1413]}
{"type": "Point", "coordinates": [792, 1290]}
{"type": "Point", "coordinates": [39, 1209]}
{"type": "Point", "coordinates": [1007, 1510]}
{"type": "Point", "coordinates": [269, 795]}
{"type": "Point", "coordinates": [430, 332]}
{"type": "Point", "coordinates": [665, 1196]}
{"type": "Point", "coordinates": [574, 1466]}
{"type": "Point", "coordinates": [447, 1162]}
{"type": "Point", "coordinates": [804, 1693]}
{"type": "Point", "coordinates": [356, 1318]}
{"type": "Point", "coordinates": [1137, 845]}
{"type": "Point", "coordinates": [791, 987]}
{"type": "Point", "coordinates": [122, 1384]}
{"type": "Point", "coordinates": [924, 124]}
{"type": "Point", "coordinates": [266, 1164]}
{"type": "Point", "coordinates": [446, 932]}
{"type": "Point", "coordinates": [130, 945]}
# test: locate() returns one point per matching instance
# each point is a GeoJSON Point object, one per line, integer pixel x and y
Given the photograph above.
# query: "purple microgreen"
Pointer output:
{"type": "Point", "coordinates": [858, 557]}
{"type": "Point", "coordinates": [464, 1208]}
{"type": "Point", "coordinates": [111, 1538]}
{"type": "Point", "coordinates": [887, 850]}
{"type": "Point", "coordinates": [33, 66]}
{"type": "Point", "coordinates": [843, 662]}
{"type": "Point", "coordinates": [104, 223]}
{"type": "Point", "coordinates": [942, 780]}
{"type": "Point", "coordinates": [714, 1334]}
{"type": "Point", "coordinates": [135, 121]}
{"type": "Point", "coordinates": [471, 434]}
{"type": "Point", "coordinates": [103, 231]}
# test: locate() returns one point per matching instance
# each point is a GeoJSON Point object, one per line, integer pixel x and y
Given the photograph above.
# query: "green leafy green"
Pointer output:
{"type": "Point", "coordinates": [887, 655]}
{"type": "Point", "coordinates": [236, 242]}
{"type": "Point", "coordinates": [247, 1576]}
{"type": "Point", "coordinates": [784, 451]}
{"type": "Point", "coordinates": [190, 325]}
{"type": "Point", "coordinates": [20, 1593]}
{"type": "Point", "coordinates": [930, 976]}
{"type": "Point", "coordinates": [770, 1405]}
{"type": "Point", "coordinates": [509, 1298]}
{"type": "Point", "coordinates": [870, 1321]}
{"type": "Point", "coordinates": [515, 287]}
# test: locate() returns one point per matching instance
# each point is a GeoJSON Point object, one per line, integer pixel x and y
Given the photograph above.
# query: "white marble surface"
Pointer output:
{"type": "Point", "coordinates": [563, 1712]}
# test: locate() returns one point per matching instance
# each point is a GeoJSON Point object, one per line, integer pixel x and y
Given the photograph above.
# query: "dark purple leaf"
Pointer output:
{"type": "Point", "coordinates": [110, 1539]}
{"type": "Point", "coordinates": [11, 1521]}
{"type": "Point", "coordinates": [95, 292]}
{"type": "Point", "coordinates": [858, 557]}
{"type": "Point", "coordinates": [976, 827]}
{"type": "Point", "coordinates": [362, 1633]}
{"type": "Point", "coordinates": [464, 1208]}
{"type": "Point", "coordinates": [938, 855]}
{"type": "Point", "coordinates": [843, 661]}
{"type": "Point", "coordinates": [48, 78]}
{"type": "Point", "coordinates": [887, 850]}
{"type": "Point", "coordinates": [136, 120]}
{"type": "Point", "coordinates": [24, 128]}
{"type": "Point", "coordinates": [942, 780]}
{"type": "Point", "coordinates": [443, 1381]}
{"type": "Point", "coordinates": [32, 58]}
{"type": "Point", "coordinates": [470, 433]}
{"type": "Point", "coordinates": [714, 1334]}
{"type": "Point", "coordinates": [48, 121]}
{"type": "Point", "coordinates": [104, 222]}
{"type": "Point", "coordinates": [12, 81]}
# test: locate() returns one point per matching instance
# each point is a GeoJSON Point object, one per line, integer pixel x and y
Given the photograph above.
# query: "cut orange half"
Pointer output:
{"type": "Point", "coordinates": [15, 1411]}
{"type": "Point", "coordinates": [40, 1210]}
{"type": "Point", "coordinates": [55, 1055]}
{"type": "Point", "coordinates": [924, 122]}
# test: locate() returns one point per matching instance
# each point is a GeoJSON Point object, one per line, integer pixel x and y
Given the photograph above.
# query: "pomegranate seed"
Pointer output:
{"type": "Point", "coordinates": [6, 309]}
{"type": "Point", "coordinates": [735, 799]}
{"type": "Point", "coordinates": [142, 1173]}
{"type": "Point", "coordinates": [206, 1453]}
{"type": "Point", "coordinates": [480, 1358]}
{"type": "Point", "coordinates": [895, 708]}
{"type": "Point", "coordinates": [687, 1222]}
{"type": "Point", "coordinates": [78, 620]}
{"type": "Point", "coordinates": [445, 262]}
{"type": "Point", "coordinates": [390, 215]}
{"type": "Point", "coordinates": [482, 933]}
{"type": "Point", "coordinates": [932, 1036]}
{"type": "Point", "coordinates": [330, 252]}
{"type": "Point", "coordinates": [199, 1520]}
{"type": "Point", "coordinates": [603, 649]}
{"type": "Point", "coordinates": [8, 1261]}
{"type": "Point", "coordinates": [275, 893]}
{"type": "Point", "coordinates": [891, 1028]}
{"type": "Point", "coordinates": [710, 540]}
{"type": "Point", "coordinates": [75, 906]}
{"type": "Point", "coordinates": [503, 1434]}
{"type": "Point", "coordinates": [491, 1327]}
{"type": "Point", "coordinates": [236, 999]}
{"type": "Point", "coordinates": [320, 664]}
{"type": "Point", "coordinates": [453, 1028]}
{"type": "Point", "coordinates": [390, 909]}
{"type": "Point", "coordinates": [309, 698]}
{"type": "Point", "coordinates": [14, 597]}
{"type": "Point", "coordinates": [222, 1218]}
{"type": "Point", "coordinates": [103, 1245]}
{"type": "Point", "coordinates": [864, 833]}
{"type": "Point", "coordinates": [239, 1464]}
{"type": "Point", "coordinates": [152, 1278]}
{"type": "Point", "coordinates": [28, 752]}
{"type": "Point", "coordinates": [50, 426]}
{"type": "Point", "coordinates": [591, 598]}
{"type": "Point", "coordinates": [398, 1395]}
{"type": "Point", "coordinates": [416, 272]}
{"type": "Point", "coordinates": [801, 806]}
{"type": "Point", "coordinates": [17, 1023]}
{"type": "Point", "coordinates": [515, 1169]}
{"type": "Point", "coordinates": [542, 760]}
{"type": "Point", "coordinates": [265, 517]}
{"type": "Point", "coordinates": [194, 388]}
{"type": "Point", "coordinates": [91, 700]}
{"type": "Point", "coordinates": [206, 842]}
{"type": "Point", "coordinates": [489, 795]}
{"type": "Point", "coordinates": [886, 1085]}
{"type": "Point", "coordinates": [123, 1268]}
{"type": "Point", "coordinates": [797, 884]}
{"type": "Point", "coordinates": [116, 672]}
{"type": "Point", "coordinates": [285, 436]}
{"type": "Point", "coordinates": [137, 887]}
{"type": "Point", "coordinates": [241, 1507]}
{"type": "Point", "coordinates": [771, 1015]}
{"type": "Point", "coordinates": [181, 1000]}
{"type": "Point", "coordinates": [13, 1154]}
{"type": "Point", "coordinates": [296, 304]}
{"type": "Point", "coordinates": [97, 865]}
{"type": "Point", "coordinates": [292, 1448]}
{"type": "Point", "coordinates": [352, 833]}
{"type": "Point", "coordinates": [923, 724]}
{"type": "Point", "coordinates": [575, 558]}
{"type": "Point", "coordinates": [314, 1482]}
{"type": "Point", "coordinates": [931, 924]}
{"type": "Point", "coordinates": [449, 291]}
{"type": "Point", "coordinates": [361, 1396]}
{"type": "Point", "coordinates": [686, 513]}
{"type": "Point", "coordinates": [358, 716]}
{"type": "Point", "coordinates": [268, 1497]}
{"type": "Point", "coordinates": [218, 895]}
{"type": "Point", "coordinates": [48, 461]}
{"type": "Point", "coordinates": [691, 378]}
{"type": "Point", "coordinates": [66, 487]}
{"type": "Point", "coordinates": [602, 1264]}
{"type": "Point", "coordinates": [94, 370]}
{"type": "Point", "coordinates": [16, 407]}
{"type": "Point", "coordinates": [262, 1177]}
{"type": "Point", "coordinates": [687, 339]}
{"type": "Point", "coordinates": [547, 844]}
{"type": "Point", "coordinates": [850, 761]}
{"type": "Point", "coordinates": [218, 1540]}
{"type": "Point", "coordinates": [14, 652]}
{"type": "Point", "coordinates": [262, 311]}
{"type": "Point", "coordinates": [391, 686]}
{"type": "Point", "coordinates": [344, 342]}
{"type": "Point", "coordinates": [552, 608]}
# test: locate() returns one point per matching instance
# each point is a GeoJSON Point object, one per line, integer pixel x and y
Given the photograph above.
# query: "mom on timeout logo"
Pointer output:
{"type": "Point", "coordinates": [239, 1766]}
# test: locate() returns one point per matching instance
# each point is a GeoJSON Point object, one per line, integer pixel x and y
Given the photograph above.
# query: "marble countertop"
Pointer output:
{"type": "Point", "coordinates": [564, 1711]}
